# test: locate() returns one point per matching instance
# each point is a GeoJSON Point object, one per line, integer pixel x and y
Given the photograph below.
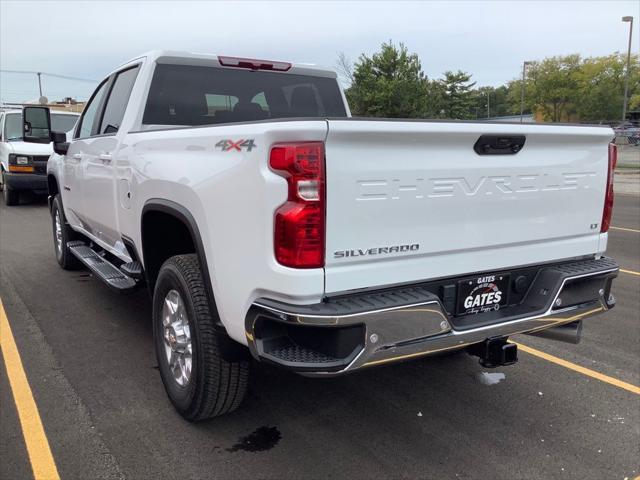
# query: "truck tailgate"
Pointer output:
{"type": "Point", "coordinates": [411, 200]}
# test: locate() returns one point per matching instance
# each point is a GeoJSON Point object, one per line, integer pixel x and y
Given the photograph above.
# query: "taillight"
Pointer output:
{"type": "Point", "coordinates": [253, 64]}
{"type": "Point", "coordinates": [299, 233]}
{"type": "Point", "coordinates": [608, 198]}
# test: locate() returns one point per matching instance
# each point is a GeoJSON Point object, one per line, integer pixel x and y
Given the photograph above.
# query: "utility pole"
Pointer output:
{"type": "Point", "coordinates": [40, 83]}
{"type": "Point", "coordinates": [626, 77]}
{"type": "Point", "coordinates": [524, 71]}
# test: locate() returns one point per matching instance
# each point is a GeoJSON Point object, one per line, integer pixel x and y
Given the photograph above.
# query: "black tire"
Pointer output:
{"type": "Point", "coordinates": [216, 386]}
{"type": "Point", "coordinates": [65, 258]}
{"type": "Point", "coordinates": [11, 197]}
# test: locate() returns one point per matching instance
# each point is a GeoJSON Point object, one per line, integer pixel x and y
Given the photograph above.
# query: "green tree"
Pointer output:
{"type": "Point", "coordinates": [458, 98]}
{"type": "Point", "coordinates": [601, 87]}
{"type": "Point", "coordinates": [552, 86]}
{"type": "Point", "coordinates": [390, 83]}
{"type": "Point", "coordinates": [568, 88]}
{"type": "Point", "coordinates": [497, 98]}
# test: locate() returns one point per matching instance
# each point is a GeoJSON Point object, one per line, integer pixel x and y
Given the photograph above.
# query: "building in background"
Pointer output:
{"type": "Point", "coordinates": [67, 104]}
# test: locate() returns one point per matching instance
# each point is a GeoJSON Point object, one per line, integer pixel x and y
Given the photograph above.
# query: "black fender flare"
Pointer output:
{"type": "Point", "coordinates": [230, 349]}
{"type": "Point", "coordinates": [50, 193]}
{"type": "Point", "coordinates": [180, 213]}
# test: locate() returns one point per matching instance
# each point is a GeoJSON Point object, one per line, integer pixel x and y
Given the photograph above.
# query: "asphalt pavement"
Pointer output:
{"type": "Point", "coordinates": [88, 356]}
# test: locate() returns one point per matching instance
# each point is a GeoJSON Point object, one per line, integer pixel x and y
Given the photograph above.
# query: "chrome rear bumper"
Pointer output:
{"type": "Point", "coordinates": [393, 325]}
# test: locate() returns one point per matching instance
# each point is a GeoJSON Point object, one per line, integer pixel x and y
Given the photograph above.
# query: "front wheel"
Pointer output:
{"type": "Point", "coordinates": [11, 197]}
{"type": "Point", "coordinates": [199, 381]}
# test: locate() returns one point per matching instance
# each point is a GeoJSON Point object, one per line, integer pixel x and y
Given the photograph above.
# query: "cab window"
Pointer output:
{"type": "Point", "coordinates": [200, 95]}
{"type": "Point", "coordinates": [88, 123]}
{"type": "Point", "coordinates": [118, 100]}
{"type": "Point", "coordinates": [12, 127]}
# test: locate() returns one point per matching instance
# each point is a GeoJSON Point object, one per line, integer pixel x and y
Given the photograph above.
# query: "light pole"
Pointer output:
{"type": "Point", "coordinates": [488, 108]}
{"type": "Point", "coordinates": [524, 70]}
{"type": "Point", "coordinates": [626, 77]}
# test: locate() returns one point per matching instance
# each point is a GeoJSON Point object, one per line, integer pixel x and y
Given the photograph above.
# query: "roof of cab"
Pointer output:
{"type": "Point", "coordinates": [209, 59]}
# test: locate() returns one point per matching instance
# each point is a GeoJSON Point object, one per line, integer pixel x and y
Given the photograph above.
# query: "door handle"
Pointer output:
{"type": "Point", "coordinates": [77, 156]}
{"type": "Point", "coordinates": [105, 157]}
{"type": "Point", "coordinates": [499, 144]}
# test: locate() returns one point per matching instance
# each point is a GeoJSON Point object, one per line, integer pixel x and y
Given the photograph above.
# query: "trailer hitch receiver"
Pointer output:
{"type": "Point", "coordinates": [495, 352]}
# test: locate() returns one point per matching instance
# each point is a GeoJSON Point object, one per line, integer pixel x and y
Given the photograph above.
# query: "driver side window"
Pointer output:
{"type": "Point", "coordinates": [88, 123]}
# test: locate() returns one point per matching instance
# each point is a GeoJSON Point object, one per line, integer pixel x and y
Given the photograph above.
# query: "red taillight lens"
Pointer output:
{"type": "Point", "coordinates": [253, 63]}
{"type": "Point", "coordinates": [300, 222]}
{"type": "Point", "coordinates": [608, 198]}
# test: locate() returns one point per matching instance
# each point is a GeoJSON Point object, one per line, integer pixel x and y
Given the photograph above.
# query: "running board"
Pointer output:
{"type": "Point", "coordinates": [101, 268]}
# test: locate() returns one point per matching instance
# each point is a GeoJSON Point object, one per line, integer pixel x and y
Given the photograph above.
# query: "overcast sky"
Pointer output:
{"type": "Point", "coordinates": [488, 39]}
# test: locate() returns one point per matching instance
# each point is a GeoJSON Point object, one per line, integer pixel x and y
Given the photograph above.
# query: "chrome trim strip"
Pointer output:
{"type": "Point", "coordinates": [350, 315]}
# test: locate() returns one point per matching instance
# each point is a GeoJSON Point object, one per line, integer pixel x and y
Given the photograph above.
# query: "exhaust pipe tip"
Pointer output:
{"type": "Point", "coordinates": [567, 333]}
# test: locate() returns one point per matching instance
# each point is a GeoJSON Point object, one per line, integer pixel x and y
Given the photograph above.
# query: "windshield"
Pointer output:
{"type": "Point", "coordinates": [195, 95]}
{"type": "Point", "coordinates": [13, 124]}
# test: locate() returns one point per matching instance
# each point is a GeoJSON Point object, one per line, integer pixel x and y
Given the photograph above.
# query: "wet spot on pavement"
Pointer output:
{"type": "Point", "coordinates": [264, 438]}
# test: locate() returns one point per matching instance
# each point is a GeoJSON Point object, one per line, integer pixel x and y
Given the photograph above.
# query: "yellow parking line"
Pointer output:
{"type": "Point", "coordinates": [577, 368]}
{"type": "Point", "coordinates": [630, 272]}
{"type": "Point", "coordinates": [42, 462]}
{"type": "Point", "coordinates": [625, 229]}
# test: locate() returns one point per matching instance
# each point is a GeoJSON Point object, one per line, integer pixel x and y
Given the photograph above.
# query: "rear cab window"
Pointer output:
{"type": "Point", "coordinates": [185, 95]}
{"type": "Point", "coordinates": [117, 101]}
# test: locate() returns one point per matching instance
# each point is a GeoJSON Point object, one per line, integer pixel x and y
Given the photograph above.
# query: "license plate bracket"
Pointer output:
{"type": "Point", "coordinates": [483, 293]}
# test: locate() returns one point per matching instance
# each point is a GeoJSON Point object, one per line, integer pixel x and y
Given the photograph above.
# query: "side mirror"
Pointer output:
{"type": "Point", "coordinates": [36, 125]}
{"type": "Point", "coordinates": [60, 144]}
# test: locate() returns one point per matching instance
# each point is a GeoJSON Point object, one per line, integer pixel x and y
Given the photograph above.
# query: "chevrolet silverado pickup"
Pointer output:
{"type": "Point", "coordinates": [23, 166]}
{"type": "Point", "coordinates": [267, 223]}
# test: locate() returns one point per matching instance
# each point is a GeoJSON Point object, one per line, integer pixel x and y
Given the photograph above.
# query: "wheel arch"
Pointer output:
{"type": "Point", "coordinates": [53, 188]}
{"type": "Point", "coordinates": [163, 209]}
{"type": "Point", "coordinates": [155, 209]}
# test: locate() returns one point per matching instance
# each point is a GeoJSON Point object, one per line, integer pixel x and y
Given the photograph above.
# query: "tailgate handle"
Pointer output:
{"type": "Point", "coordinates": [499, 144]}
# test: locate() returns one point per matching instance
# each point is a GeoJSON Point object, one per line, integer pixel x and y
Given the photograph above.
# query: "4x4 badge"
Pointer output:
{"type": "Point", "coordinates": [228, 145]}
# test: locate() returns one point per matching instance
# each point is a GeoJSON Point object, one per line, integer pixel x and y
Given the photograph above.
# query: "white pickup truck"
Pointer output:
{"type": "Point", "coordinates": [267, 222]}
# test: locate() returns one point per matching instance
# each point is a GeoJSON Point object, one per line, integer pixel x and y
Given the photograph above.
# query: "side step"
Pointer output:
{"type": "Point", "coordinates": [133, 270]}
{"type": "Point", "coordinates": [101, 268]}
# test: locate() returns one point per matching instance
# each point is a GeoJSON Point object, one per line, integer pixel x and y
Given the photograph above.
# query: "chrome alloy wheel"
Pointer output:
{"type": "Point", "coordinates": [58, 221]}
{"type": "Point", "coordinates": [177, 337]}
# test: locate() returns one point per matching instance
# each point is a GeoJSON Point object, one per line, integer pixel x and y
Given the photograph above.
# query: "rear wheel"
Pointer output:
{"type": "Point", "coordinates": [62, 235]}
{"type": "Point", "coordinates": [199, 381]}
